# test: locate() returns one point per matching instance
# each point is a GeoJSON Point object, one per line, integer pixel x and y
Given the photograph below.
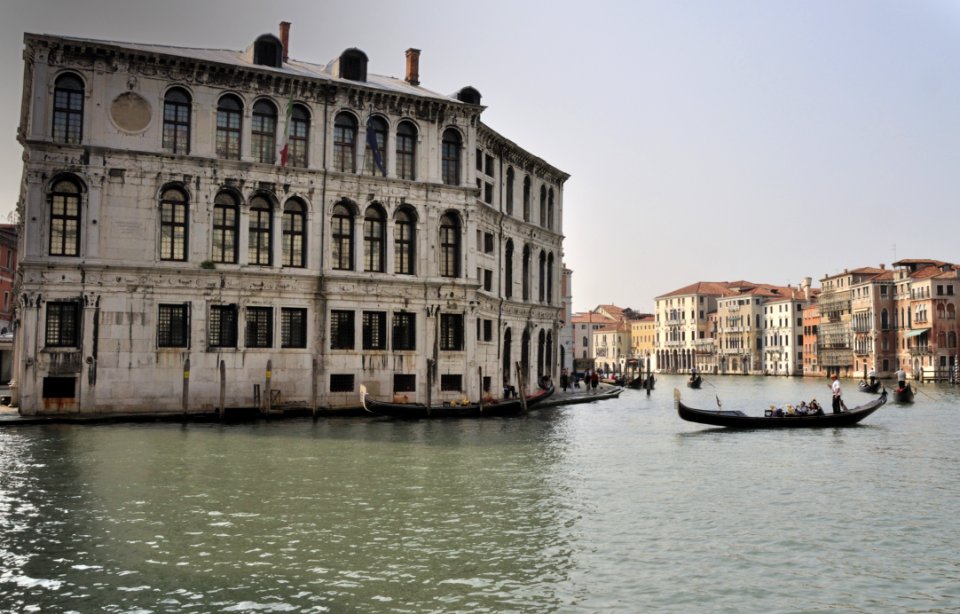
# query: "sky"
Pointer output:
{"type": "Point", "coordinates": [706, 140]}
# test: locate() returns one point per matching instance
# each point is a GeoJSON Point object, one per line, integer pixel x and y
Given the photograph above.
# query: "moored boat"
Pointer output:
{"type": "Point", "coordinates": [738, 419]}
{"type": "Point", "coordinates": [903, 395]}
{"type": "Point", "coordinates": [873, 388]}
{"type": "Point", "coordinates": [486, 409]}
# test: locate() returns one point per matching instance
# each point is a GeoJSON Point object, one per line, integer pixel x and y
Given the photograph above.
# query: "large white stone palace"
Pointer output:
{"type": "Point", "coordinates": [184, 209]}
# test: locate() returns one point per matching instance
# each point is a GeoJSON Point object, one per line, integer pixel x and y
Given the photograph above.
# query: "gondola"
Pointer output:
{"type": "Point", "coordinates": [903, 395]}
{"type": "Point", "coordinates": [739, 420]}
{"type": "Point", "coordinates": [695, 381]}
{"type": "Point", "coordinates": [870, 388]}
{"type": "Point", "coordinates": [487, 409]}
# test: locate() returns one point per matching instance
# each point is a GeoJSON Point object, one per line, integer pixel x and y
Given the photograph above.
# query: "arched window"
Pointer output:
{"type": "Point", "coordinates": [526, 273]}
{"type": "Point", "coordinates": [299, 138]}
{"type": "Point", "coordinates": [404, 242]}
{"type": "Point", "coordinates": [406, 151]}
{"type": "Point", "coordinates": [507, 364]}
{"type": "Point", "coordinates": [226, 215]}
{"type": "Point", "coordinates": [941, 311]}
{"type": "Point", "coordinates": [263, 132]}
{"type": "Point", "coordinates": [68, 109]}
{"type": "Point", "coordinates": [451, 157]}
{"type": "Point", "coordinates": [543, 206]}
{"type": "Point", "coordinates": [951, 339]}
{"type": "Point", "coordinates": [942, 339]}
{"type": "Point", "coordinates": [449, 245]}
{"type": "Point", "coordinates": [294, 234]}
{"type": "Point", "coordinates": [541, 352]}
{"type": "Point", "coordinates": [525, 352]}
{"type": "Point", "coordinates": [884, 319]}
{"type": "Point", "coordinates": [542, 278]}
{"type": "Point", "coordinates": [376, 134]}
{"type": "Point", "coordinates": [65, 218]}
{"type": "Point", "coordinates": [344, 143]}
{"type": "Point", "coordinates": [260, 247]}
{"type": "Point", "coordinates": [342, 238]}
{"type": "Point", "coordinates": [173, 224]}
{"type": "Point", "coordinates": [176, 121]}
{"type": "Point", "coordinates": [951, 312]}
{"type": "Point", "coordinates": [550, 210]}
{"type": "Point", "coordinates": [508, 270]}
{"type": "Point", "coordinates": [526, 199]}
{"type": "Point", "coordinates": [550, 279]}
{"type": "Point", "coordinates": [229, 120]}
{"type": "Point", "coordinates": [374, 239]}
{"type": "Point", "coordinates": [510, 181]}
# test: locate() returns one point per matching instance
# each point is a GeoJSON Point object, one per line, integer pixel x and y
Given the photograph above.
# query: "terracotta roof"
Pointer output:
{"type": "Point", "coordinates": [590, 317]}
{"type": "Point", "coordinates": [710, 288]}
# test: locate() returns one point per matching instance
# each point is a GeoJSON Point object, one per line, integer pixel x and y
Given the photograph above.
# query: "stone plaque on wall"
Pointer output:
{"type": "Point", "coordinates": [130, 112]}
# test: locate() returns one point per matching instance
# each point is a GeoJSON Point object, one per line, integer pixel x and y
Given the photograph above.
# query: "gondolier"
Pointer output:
{"type": "Point", "coordinates": [837, 395]}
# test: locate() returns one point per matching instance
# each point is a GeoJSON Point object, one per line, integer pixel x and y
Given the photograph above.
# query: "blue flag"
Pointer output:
{"type": "Point", "coordinates": [374, 146]}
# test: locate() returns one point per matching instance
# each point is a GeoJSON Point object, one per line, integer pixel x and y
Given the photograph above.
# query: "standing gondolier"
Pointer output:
{"type": "Point", "coordinates": [837, 394]}
{"type": "Point", "coordinates": [901, 378]}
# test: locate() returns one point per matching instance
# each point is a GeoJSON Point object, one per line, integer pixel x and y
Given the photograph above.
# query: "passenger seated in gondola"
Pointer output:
{"type": "Point", "coordinates": [802, 409]}
{"type": "Point", "coordinates": [815, 408]}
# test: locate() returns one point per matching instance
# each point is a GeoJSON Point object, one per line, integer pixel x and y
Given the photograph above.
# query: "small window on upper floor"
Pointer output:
{"type": "Point", "coordinates": [268, 51]}
{"type": "Point", "coordinates": [353, 65]}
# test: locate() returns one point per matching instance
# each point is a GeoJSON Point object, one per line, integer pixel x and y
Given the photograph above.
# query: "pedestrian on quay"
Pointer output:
{"type": "Point", "coordinates": [564, 380]}
{"type": "Point", "coordinates": [594, 381]}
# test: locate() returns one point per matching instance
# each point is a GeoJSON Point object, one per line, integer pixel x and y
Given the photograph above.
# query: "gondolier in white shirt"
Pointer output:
{"type": "Point", "coordinates": [837, 400]}
{"type": "Point", "coordinates": [901, 378]}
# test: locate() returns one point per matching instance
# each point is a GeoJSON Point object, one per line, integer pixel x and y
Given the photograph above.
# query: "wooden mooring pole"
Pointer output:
{"type": "Point", "coordinates": [185, 401]}
{"type": "Point", "coordinates": [223, 390]}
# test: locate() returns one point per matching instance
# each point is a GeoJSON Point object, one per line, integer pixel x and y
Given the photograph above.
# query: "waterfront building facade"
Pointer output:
{"type": "Point", "coordinates": [874, 338]}
{"type": "Point", "coordinates": [302, 228]}
{"type": "Point", "coordinates": [927, 301]}
{"type": "Point", "coordinates": [835, 338]}
{"type": "Point", "coordinates": [783, 329]}
{"type": "Point", "coordinates": [611, 346]}
{"type": "Point", "coordinates": [583, 325]}
{"type": "Point", "coordinates": [567, 350]}
{"type": "Point", "coordinates": [682, 321]}
{"type": "Point", "coordinates": [811, 329]}
{"type": "Point", "coordinates": [643, 334]}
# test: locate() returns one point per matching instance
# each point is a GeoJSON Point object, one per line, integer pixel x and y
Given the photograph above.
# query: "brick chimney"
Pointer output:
{"type": "Point", "coordinates": [413, 66]}
{"type": "Point", "coordinates": [285, 39]}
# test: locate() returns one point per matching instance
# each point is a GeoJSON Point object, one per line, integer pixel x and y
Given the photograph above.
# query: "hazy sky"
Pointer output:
{"type": "Point", "coordinates": [706, 139]}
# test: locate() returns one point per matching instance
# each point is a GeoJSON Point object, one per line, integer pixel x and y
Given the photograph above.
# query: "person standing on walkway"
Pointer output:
{"type": "Point", "coordinates": [564, 380]}
{"type": "Point", "coordinates": [594, 381]}
{"type": "Point", "coordinates": [837, 398]}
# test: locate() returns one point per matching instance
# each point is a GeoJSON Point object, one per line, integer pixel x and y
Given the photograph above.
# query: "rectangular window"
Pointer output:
{"type": "Point", "coordinates": [480, 160]}
{"type": "Point", "coordinates": [374, 330]}
{"type": "Point", "coordinates": [403, 382]}
{"type": "Point", "coordinates": [173, 326]}
{"type": "Point", "coordinates": [259, 327]}
{"type": "Point", "coordinates": [341, 382]}
{"type": "Point", "coordinates": [488, 243]}
{"type": "Point", "coordinates": [451, 383]}
{"type": "Point", "coordinates": [488, 164]}
{"type": "Point", "coordinates": [293, 327]}
{"type": "Point", "coordinates": [488, 193]}
{"type": "Point", "coordinates": [488, 330]}
{"type": "Point", "coordinates": [59, 387]}
{"type": "Point", "coordinates": [451, 332]}
{"type": "Point", "coordinates": [63, 324]}
{"type": "Point", "coordinates": [404, 331]}
{"type": "Point", "coordinates": [223, 326]}
{"type": "Point", "coordinates": [341, 330]}
{"type": "Point", "coordinates": [488, 280]}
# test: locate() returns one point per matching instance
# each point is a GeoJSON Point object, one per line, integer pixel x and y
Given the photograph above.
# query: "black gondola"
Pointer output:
{"type": "Point", "coordinates": [695, 381]}
{"type": "Point", "coordinates": [739, 420]}
{"type": "Point", "coordinates": [487, 409]}
{"type": "Point", "coordinates": [873, 388]}
{"type": "Point", "coordinates": [903, 395]}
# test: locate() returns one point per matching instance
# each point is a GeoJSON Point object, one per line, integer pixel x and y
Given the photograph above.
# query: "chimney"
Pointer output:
{"type": "Point", "coordinates": [883, 267]}
{"type": "Point", "coordinates": [413, 66]}
{"type": "Point", "coordinates": [285, 39]}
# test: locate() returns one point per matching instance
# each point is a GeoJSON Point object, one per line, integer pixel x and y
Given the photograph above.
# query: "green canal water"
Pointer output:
{"type": "Point", "coordinates": [613, 506]}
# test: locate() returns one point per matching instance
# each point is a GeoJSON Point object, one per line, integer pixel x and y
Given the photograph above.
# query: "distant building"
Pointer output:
{"type": "Point", "coordinates": [682, 322]}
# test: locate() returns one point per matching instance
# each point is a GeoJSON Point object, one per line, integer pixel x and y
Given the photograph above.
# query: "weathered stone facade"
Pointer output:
{"type": "Point", "coordinates": [138, 275]}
